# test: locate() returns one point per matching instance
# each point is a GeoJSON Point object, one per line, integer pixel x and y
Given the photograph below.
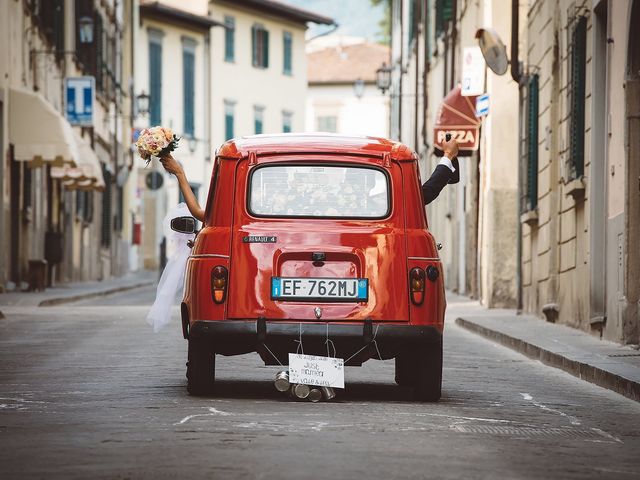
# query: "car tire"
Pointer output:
{"type": "Point", "coordinates": [405, 369]}
{"type": "Point", "coordinates": [201, 362]}
{"type": "Point", "coordinates": [428, 380]}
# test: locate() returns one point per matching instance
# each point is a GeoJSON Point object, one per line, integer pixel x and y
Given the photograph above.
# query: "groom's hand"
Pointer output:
{"type": "Point", "coordinates": [450, 149]}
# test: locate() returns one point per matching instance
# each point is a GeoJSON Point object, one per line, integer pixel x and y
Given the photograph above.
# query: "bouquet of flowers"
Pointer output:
{"type": "Point", "coordinates": [156, 142]}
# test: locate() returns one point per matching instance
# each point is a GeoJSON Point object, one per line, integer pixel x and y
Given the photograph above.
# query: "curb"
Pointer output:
{"type": "Point", "coordinates": [50, 302]}
{"type": "Point", "coordinates": [584, 371]}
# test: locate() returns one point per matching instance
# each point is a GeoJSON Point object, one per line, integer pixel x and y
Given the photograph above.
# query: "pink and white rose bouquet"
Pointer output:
{"type": "Point", "coordinates": [156, 142]}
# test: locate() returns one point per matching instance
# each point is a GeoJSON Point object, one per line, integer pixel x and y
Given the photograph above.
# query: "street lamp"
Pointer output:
{"type": "Point", "coordinates": [193, 143]}
{"type": "Point", "coordinates": [85, 30]}
{"type": "Point", "coordinates": [358, 88]}
{"type": "Point", "coordinates": [142, 103]}
{"type": "Point", "coordinates": [383, 77]}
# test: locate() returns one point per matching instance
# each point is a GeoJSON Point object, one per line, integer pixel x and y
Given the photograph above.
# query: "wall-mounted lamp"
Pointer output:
{"type": "Point", "coordinates": [383, 77]}
{"type": "Point", "coordinates": [85, 30]}
{"type": "Point", "coordinates": [142, 103]}
{"type": "Point", "coordinates": [358, 88]}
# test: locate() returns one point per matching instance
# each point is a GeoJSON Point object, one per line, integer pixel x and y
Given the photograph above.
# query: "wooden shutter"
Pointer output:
{"type": "Point", "coordinates": [444, 14]}
{"type": "Point", "coordinates": [287, 53]}
{"type": "Point", "coordinates": [265, 48]}
{"type": "Point", "coordinates": [106, 208]}
{"type": "Point", "coordinates": [254, 45]}
{"type": "Point", "coordinates": [578, 80]}
{"type": "Point", "coordinates": [228, 126]}
{"type": "Point", "coordinates": [155, 83]}
{"type": "Point", "coordinates": [532, 143]}
{"type": "Point", "coordinates": [229, 39]}
{"type": "Point", "coordinates": [188, 91]}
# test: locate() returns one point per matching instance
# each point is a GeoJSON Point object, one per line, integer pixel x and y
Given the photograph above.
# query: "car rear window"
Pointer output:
{"type": "Point", "coordinates": [319, 191]}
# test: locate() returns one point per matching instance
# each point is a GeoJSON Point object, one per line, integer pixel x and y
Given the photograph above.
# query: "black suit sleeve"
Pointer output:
{"type": "Point", "coordinates": [437, 181]}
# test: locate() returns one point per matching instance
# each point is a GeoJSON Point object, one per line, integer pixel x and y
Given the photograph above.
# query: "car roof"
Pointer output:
{"type": "Point", "coordinates": [331, 143]}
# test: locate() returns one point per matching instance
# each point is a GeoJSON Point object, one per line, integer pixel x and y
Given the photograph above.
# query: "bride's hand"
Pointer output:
{"type": "Point", "coordinates": [171, 165]}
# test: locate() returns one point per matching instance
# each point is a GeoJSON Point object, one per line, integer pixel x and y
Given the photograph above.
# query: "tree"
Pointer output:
{"type": "Point", "coordinates": [384, 35]}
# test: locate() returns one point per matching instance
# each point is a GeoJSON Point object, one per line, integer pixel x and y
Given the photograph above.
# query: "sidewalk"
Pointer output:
{"type": "Point", "coordinates": [606, 364]}
{"type": "Point", "coordinates": [72, 292]}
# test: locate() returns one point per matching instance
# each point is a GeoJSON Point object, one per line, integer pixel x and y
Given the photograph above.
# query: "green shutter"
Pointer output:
{"type": "Point", "coordinates": [228, 126]}
{"type": "Point", "coordinates": [287, 41]}
{"type": "Point", "coordinates": [229, 39]}
{"type": "Point", "coordinates": [106, 208]}
{"type": "Point", "coordinates": [254, 46]}
{"type": "Point", "coordinates": [188, 91]}
{"type": "Point", "coordinates": [578, 80]}
{"type": "Point", "coordinates": [444, 14]}
{"type": "Point", "coordinates": [532, 143]}
{"type": "Point", "coordinates": [155, 83]}
{"type": "Point", "coordinates": [265, 49]}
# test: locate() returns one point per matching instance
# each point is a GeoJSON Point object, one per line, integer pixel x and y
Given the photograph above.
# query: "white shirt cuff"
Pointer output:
{"type": "Point", "coordinates": [447, 163]}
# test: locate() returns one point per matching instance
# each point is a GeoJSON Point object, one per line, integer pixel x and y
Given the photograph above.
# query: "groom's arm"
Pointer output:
{"type": "Point", "coordinates": [441, 176]}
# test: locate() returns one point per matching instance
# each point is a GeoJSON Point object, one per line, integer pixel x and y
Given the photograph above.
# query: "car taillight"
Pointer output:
{"type": "Point", "coordinates": [219, 277]}
{"type": "Point", "coordinates": [416, 285]}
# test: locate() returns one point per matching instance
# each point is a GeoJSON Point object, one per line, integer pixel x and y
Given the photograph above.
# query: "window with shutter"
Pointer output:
{"type": "Point", "coordinates": [287, 120]}
{"type": "Point", "coordinates": [155, 80]}
{"type": "Point", "coordinates": [99, 52]}
{"type": "Point", "coordinates": [229, 39]}
{"type": "Point", "coordinates": [444, 14]}
{"type": "Point", "coordinates": [578, 61]}
{"type": "Point", "coordinates": [229, 108]}
{"type": "Point", "coordinates": [106, 209]}
{"type": "Point", "coordinates": [532, 143]}
{"type": "Point", "coordinates": [258, 115]}
{"type": "Point", "coordinates": [188, 78]}
{"type": "Point", "coordinates": [287, 43]}
{"type": "Point", "coordinates": [260, 46]}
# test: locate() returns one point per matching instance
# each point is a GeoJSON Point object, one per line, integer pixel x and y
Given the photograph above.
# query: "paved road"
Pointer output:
{"type": "Point", "coordinates": [90, 392]}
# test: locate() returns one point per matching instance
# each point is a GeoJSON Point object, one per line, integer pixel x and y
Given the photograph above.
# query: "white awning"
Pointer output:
{"type": "Point", "coordinates": [38, 132]}
{"type": "Point", "coordinates": [88, 170]}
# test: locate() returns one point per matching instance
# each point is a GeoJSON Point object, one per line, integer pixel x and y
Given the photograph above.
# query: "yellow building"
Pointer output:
{"type": "Point", "coordinates": [62, 185]}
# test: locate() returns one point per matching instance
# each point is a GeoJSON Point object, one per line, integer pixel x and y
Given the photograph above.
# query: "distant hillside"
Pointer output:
{"type": "Point", "coordinates": [355, 17]}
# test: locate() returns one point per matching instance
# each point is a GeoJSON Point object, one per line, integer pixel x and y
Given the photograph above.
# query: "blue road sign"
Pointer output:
{"type": "Point", "coordinates": [80, 100]}
{"type": "Point", "coordinates": [482, 105]}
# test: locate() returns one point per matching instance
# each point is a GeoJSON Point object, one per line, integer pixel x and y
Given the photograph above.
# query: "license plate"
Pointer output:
{"type": "Point", "coordinates": [325, 289]}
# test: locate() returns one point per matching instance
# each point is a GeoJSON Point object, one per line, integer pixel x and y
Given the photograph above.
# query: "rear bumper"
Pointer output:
{"type": "Point", "coordinates": [274, 340]}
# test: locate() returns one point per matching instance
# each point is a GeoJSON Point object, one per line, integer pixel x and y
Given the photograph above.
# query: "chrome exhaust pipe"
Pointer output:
{"type": "Point", "coordinates": [315, 395]}
{"type": "Point", "coordinates": [282, 381]}
{"type": "Point", "coordinates": [328, 393]}
{"type": "Point", "coordinates": [300, 391]}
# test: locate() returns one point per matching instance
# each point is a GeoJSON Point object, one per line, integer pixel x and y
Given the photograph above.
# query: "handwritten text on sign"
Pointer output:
{"type": "Point", "coordinates": [318, 371]}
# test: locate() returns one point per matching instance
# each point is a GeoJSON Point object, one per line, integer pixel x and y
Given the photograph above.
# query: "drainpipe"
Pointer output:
{"type": "Point", "coordinates": [515, 64]}
{"type": "Point", "coordinates": [515, 74]}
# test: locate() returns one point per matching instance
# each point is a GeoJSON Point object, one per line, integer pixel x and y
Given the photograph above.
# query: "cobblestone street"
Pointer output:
{"type": "Point", "coordinates": [89, 391]}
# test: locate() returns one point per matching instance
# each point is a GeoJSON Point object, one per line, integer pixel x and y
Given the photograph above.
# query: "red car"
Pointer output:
{"type": "Point", "coordinates": [313, 238]}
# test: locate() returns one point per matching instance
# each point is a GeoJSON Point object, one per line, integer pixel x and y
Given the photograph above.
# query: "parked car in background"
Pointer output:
{"type": "Point", "coordinates": [320, 239]}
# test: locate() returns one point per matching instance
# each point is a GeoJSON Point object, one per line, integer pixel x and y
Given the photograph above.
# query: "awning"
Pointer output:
{"type": "Point", "coordinates": [38, 132]}
{"type": "Point", "coordinates": [457, 116]}
{"type": "Point", "coordinates": [88, 173]}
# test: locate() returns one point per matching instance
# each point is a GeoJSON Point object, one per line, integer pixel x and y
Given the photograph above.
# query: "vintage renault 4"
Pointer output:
{"type": "Point", "coordinates": [317, 239]}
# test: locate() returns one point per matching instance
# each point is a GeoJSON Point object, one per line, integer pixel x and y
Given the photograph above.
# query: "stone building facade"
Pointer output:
{"type": "Point", "coordinates": [579, 162]}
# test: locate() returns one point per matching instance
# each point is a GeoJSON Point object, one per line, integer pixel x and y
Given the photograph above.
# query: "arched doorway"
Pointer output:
{"type": "Point", "coordinates": [631, 328]}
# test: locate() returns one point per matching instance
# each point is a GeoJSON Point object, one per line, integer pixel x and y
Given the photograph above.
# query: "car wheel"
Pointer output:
{"type": "Point", "coordinates": [201, 366]}
{"type": "Point", "coordinates": [405, 369]}
{"type": "Point", "coordinates": [429, 373]}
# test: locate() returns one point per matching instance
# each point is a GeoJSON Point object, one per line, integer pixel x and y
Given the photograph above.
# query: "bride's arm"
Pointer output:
{"type": "Point", "coordinates": [172, 166]}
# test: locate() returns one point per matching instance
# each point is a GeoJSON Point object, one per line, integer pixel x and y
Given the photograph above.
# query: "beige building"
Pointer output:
{"type": "Point", "coordinates": [173, 67]}
{"type": "Point", "coordinates": [581, 164]}
{"type": "Point", "coordinates": [259, 68]}
{"type": "Point", "coordinates": [475, 220]}
{"type": "Point", "coordinates": [342, 96]}
{"type": "Point", "coordinates": [62, 186]}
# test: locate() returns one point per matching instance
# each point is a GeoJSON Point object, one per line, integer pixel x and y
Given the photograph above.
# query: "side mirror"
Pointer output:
{"type": "Point", "coordinates": [183, 224]}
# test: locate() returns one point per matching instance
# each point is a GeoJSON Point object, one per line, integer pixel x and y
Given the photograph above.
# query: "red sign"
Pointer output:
{"type": "Point", "coordinates": [457, 116]}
